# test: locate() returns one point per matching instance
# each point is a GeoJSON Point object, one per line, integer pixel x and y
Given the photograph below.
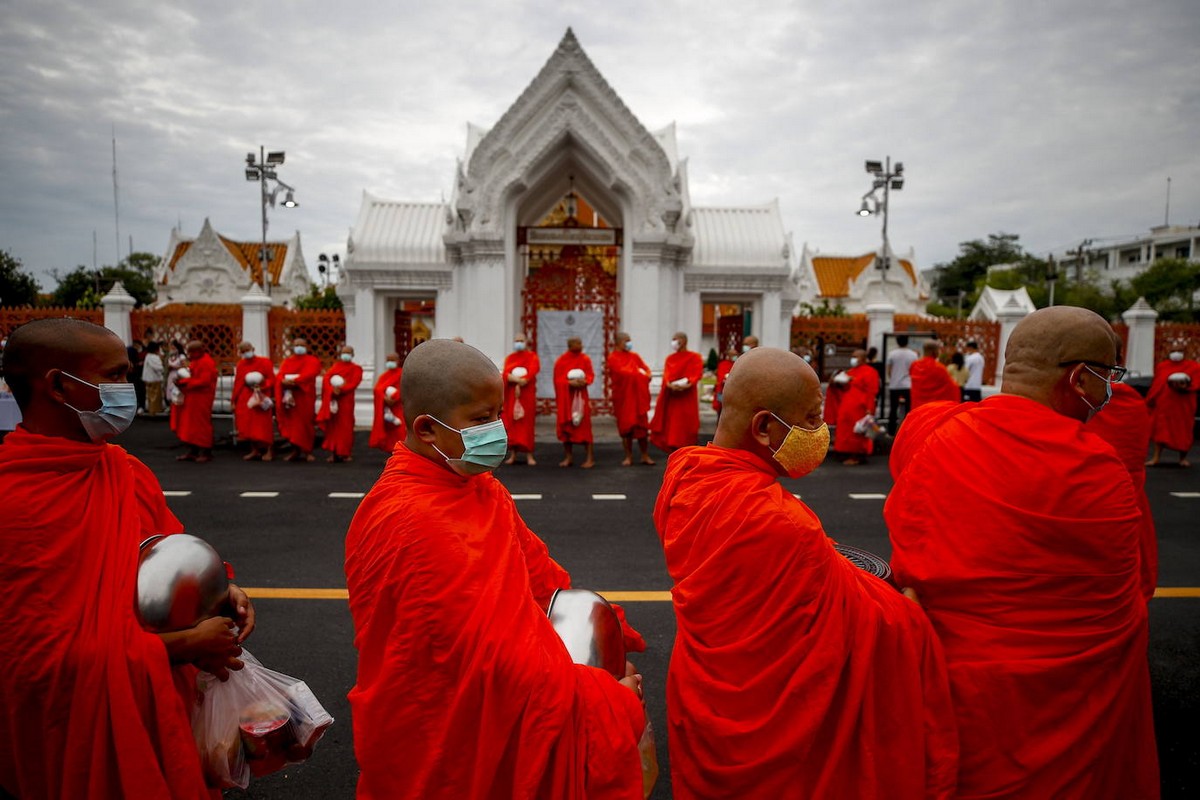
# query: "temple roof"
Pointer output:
{"type": "Point", "coordinates": [739, 237]}
{"type": "Point", "coordinates": [244, 253]}
{"type": "Point", "coordinates": [835, 273]}
{"type": "Point", "coordinates": [393, 232]}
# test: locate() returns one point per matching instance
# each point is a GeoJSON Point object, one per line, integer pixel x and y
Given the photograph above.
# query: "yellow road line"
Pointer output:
{"type": "Point", "coordinates": [271, 593]}
{"type": "Point", "coordinates": [1177, 591]}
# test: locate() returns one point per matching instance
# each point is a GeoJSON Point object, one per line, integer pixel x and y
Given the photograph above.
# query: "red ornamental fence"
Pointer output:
{"type": "Point", "coordinates": [217, 327]}
{"type": "Point", "coordinates": [1170, 336]}
{"type": "Point", "coordinates": [13, 318]}
{"type": "Point", "coordinates": [323, 331]}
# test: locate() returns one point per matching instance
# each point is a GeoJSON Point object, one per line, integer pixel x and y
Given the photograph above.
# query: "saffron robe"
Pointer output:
{"type": "Point", "coordinates": [629, 380]}
{"type": "Point", "coordinates": [857, 400]}
{"type": "Point", "coordinates": [567, 398]}
{"type": "Point", "coordinates": [253, 424]}
{"type": "Point", "coordinates": [1031, 577]}
{"type": "Point", "coordinates": [296, 423]}
{"type": "Point", "coordinates": [1174, 410]}
{"type": "Point", "coordinates": [88, 706]}
{"type": "Point", "coordinates": [193, 424]}
{"type": "Point", "coordinates": [339, 426]}
{"type": "Point", "coordinates": [384, 434]}
{"type": "Point", "coordinates": [834, 392]}
{"type": "Point", "coordinates": [464, 690]}
{"type": "Point", "coordinates": [676, 420]}
{"type": "Point", "coordinates": [931, 383]}
{"type": "Point", "coordinates": [520, 431]}
{"type": "Point", "coordinates": [723, 367]}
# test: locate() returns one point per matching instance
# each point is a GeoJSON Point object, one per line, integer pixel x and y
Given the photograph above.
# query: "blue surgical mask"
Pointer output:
{"type": "Point", "coordinates": [389, 365]}
{"type": "Point", "coordinates": [118, 407]}
{"type": "Point", "coordinates": [518, 346]}
{"type": "Point", "coordinates": [1094, 410]}
{"type": "Point", "coordinates": [484, 448]}
{"type": "Point", "coordinates": [299, 350]}
{"type": "Point", "coordinates": [629, 345]}
{"type": "Point", "coordinates": [347, 357]}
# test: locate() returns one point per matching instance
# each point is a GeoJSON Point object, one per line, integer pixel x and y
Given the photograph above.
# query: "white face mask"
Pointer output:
{"type": "Point", "coordinates": [299, 350]}
{"type": "Point", "coordinates": [854, 362]}
{"type": "Point", "coordinates": [628, 345]}
{"type": "Point", "coordinates": [1176, 355]}
{"type": "Point", "coordinates": [118, 407]}
{"type": "Point", "coordinates": [807, 359]}
{"type": "Point", "coordinates": [518, 346]}
{"type": "Point", "coordinates": [675, 345]}
{"type": "Point", "coordinates": [390, 365]}
{"type": "Point", "coordinates": [745, 348]}
{"type": "Point", "coordinates": [247, 354]}
{"type": "Point", "coordinates": [347, 357]}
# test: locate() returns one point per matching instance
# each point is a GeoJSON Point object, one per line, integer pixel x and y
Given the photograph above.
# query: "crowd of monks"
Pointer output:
{"type": "Point", "coordinates": [1007, 658]}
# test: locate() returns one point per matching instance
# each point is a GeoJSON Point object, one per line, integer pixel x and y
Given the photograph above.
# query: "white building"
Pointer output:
{"type": "Point", "coordinates": [854, 282]}
{"type": "Point", "coordinates": [1124, 259]}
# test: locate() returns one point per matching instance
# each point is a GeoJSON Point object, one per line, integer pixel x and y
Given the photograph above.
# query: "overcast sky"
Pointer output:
{"type": "Point", "coordinates": [1057, 120]}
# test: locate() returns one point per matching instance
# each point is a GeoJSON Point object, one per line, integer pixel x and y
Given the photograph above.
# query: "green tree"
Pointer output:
{"type": "Point", "coordinates": [83, 287]}
{"type": "Point", "coordinates": [17, 288]}
{"type": "Point", "coordinates": [320, 299]}
{"type": "Point", "coordinates": [79, 288]}
{"type": "Point", "coordinates": [1170, 285]}
{"type": "Point", "coordinates": [966, 272]}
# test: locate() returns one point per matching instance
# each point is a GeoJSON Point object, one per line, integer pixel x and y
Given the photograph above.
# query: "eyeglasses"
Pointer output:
{"type": "Point", "coordinates": [1107, 372]}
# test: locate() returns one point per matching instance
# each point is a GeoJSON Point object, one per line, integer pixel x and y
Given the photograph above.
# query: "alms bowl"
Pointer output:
{"type": "Point", "coordinates": [590, 629]}
{"type": "Point", "coordinates": [181, 582]}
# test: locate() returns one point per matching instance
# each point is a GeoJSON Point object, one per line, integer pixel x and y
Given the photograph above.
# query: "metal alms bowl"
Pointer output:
{"type": "Point", "coordinates": [590, 629]}
{"type": "Point", "coordinates": [867, 562]}
{"type": "Point", "coordinates": [181, 582]}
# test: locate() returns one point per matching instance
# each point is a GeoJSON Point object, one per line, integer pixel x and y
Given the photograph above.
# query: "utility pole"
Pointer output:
{"type": "Point", "coordinates": [1079, 253]}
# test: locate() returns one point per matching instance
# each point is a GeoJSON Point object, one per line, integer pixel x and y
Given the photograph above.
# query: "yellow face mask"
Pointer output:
{"type": "Point", "coordinates": [803, 449]}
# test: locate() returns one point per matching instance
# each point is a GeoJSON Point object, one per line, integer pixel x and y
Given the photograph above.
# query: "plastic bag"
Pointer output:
{"type": "Point", "coordinates": [867, 427]}
{"type": "Point", "coordinates": [578, 399]}
{"type": "Point", "coordinates": [518, 409]}
{"type": "Point", "coordinates": [255, 723]}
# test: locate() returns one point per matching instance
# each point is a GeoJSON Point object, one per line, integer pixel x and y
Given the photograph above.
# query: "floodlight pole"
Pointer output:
{"type": "Point", "coordinates": [262, 171]}
{"type": "Point", "coordinates": [263, 282]}
{"type": "Point", "coordinates": [885, 178]}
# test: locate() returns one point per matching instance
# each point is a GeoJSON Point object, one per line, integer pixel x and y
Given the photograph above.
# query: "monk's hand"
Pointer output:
{"type": "Point", "coordinates": [523, 381]}
{"type": "Point", "coordinates": [243, 612]}
{"type": "Point", "coordinates": [213, 647]}
{"type": "Point", "coordinates": [632, 680]}
{"type": "Point", "coordinates": [911, 594]}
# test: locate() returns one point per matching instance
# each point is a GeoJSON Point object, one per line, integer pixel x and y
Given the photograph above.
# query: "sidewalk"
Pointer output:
{"type": "Point", "coordinates": [604, 427]}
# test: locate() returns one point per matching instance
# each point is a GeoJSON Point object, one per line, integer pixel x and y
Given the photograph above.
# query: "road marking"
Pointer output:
{"type": "Point", "coordinates": [347, 495]}
{"type": "Point", "coordinates": [526, 497]}
{"type": "Point", "coordinates": [175, 493]}
{"type": "Point", "coordinates": [1185, 494]}
{"type": "Point", "coordinates": [608, 497]}
{"type": "Point", "coordinates": [868, 496]}
{"type": "Point", "coordinates": [1177, 591]}
{"type": "Point", "coordinates": [273, 593]}
{"type": "Point", "coordinates": [259, 494]}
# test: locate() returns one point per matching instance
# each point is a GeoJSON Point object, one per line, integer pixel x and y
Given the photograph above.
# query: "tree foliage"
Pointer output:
{"type": "Point", "coordinates": [1170, 285]}
{"type": "Point", "coordinates": [84, 287]}
{"type": "Point", "coordinates": [17, 287]}
{"type": "Point", "coordinates": [319, 299]}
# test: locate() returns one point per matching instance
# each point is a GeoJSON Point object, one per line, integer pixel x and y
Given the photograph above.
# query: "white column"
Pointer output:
{"type": "Point", "coordinates": [256, 307]}
{"type": "Point", "coordinates": [1139, 349]}
{"type": "Point", "coordinates": [359, 309]}
{"type": "Point", "coordinates": [1008, 315]}
{"type": "Point", "coordinates": [881, 319]}
{"type": "Point", "coordinates": [117, 305]}
{"type": "Point", "coordinates": [768, 323]}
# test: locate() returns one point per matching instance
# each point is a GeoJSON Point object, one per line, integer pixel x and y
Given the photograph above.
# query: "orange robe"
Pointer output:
{"type": "Point", "coordinates": [794, 673]}
{"type": "Point", "coordinates": [339, 426]}
{"type": "Point", "coordinates": [931, 383]}
{"type": "Point", "coordinates": [676, 420]}
{"type": "Point", "coordinates": [629, 379]}
{"type": "Point", "coordinates": [834, 392]}
{"type": "Point", "coordinates": [384, 434]}
{"type": "Point", "coordinates": [253, 424]}
{"type": "Point", "coordinates": [88, 706]}
{"type": "Point", "coordinates": [296, 420]}
{"type": "Point", "coordinates": [464, 690]}
{"type": "Point", "coordinates": [567, 397]}
{"type": "Point", "coordinates": [723, 367]}
{"type": "Point", "coordinates": [857, 400]}
{"type": "Point", "coordinates": [193, 424]}
{"type": "Point", "coordinates": [520, 431]}
{"type": "Point", "coordinates": [1174, 410]}
{"type": "Point", "coordinates": [1031, 577]}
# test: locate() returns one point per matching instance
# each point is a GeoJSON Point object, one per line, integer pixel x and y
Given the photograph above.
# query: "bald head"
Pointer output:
{"type": "Point", "coordinates": [441, 375]}
{"type": "Point", "coordinates": [766, 379]}
{"type": "Point", "coordinates": [1046, 349]}
{"type": "Point", "coordinates": [47, 344]}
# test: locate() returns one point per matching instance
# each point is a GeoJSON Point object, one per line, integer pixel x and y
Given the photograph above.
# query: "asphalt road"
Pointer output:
{"type": "Point", "coordinates": [294, 539]}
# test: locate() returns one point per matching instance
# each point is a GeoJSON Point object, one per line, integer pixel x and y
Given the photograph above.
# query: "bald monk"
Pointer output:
{"type": "Point", "coordinates": [88, 703]}
{"type": "Point", "coordinates": [857, 400]}
{"type": "Point", "coordinates": [676, 420]}
{"type": "Point", "coordinates": [296, 400]}
{"type": "Point", "coordinates": [1031, 577]}
{"type": "Point", "coordinates": [336, 416]}
{"type": "Point", "coordinates": [930, 381]}
{"type": "Point", "coordinates": [464, 689]}
{"type": "Point", "coordinates": [521, 367]}
{"type": "Point", "coordinates": [194, 421]}
{"type": "Point", "coordinates": [629, 378]}
{"type": "Point", "coordinates": [387, 427]}
{"type": "Point", "coordinates": [1172, 402]}
{"type": "Point", "coordinates": [573, 373]}
{"type": "Point", "coordinates": [253, 402]}
{"type": "Point", "coordinates": [794, 673]}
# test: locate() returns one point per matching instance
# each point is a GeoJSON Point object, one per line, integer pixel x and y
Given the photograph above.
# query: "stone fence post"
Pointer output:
{"type": "Point", "coordinates": [118, 304]}
{"type": "Point", "coordinates": [1008, 315]}
{"type": "Point", "coordinates": [881, 319]}
{"type": "Point", "coordinates": [256, 306]}
{"type": "Point", "coordinates": [1139, 350]}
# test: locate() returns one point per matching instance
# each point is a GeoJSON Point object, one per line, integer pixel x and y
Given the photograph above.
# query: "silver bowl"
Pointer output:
{"type": "Point", "coordinates": [867, 562]}
{"type": "Point", "coordinates": [590, 629]}
{"type": "Point", "coordinates": [181, 582]}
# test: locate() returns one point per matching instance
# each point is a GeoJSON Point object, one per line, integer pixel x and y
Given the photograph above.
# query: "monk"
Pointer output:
{"type": "Point", "coordinates": [387, 427]}
{"type": "Point", "coordinates": [573, 373]}
{"type": "Point", "coordinates": [676, 420]}
{"type": "Point", "coordinates": [464, 690]}
{"type": "Point", "coordinates": [629, 378]}
{"type": "Point", "coordinates": [336, 416]}
{"type": "Point", "coordinates": [253, 403]}
{"type": "Point", "coordinates": [520, 399]}
{"type": "Point", "coordinates": [1032, 576]}
{"type": "Point", "coordinates": [1172, 400]}
{"type": "Point", "coordinates": [794, 673]}
{"type": "Point", "coordinates": [296, 400]}
{"type": "Point", "coordinates": [749, 343]}
{"type": "Point", "coordinates": [930, 380]}
{"type": "Point", "coordinates": [857, 401]}
{"type": "Point", "coordinates": [89, 706]}
{"type": "Point", "coordinates": [723, 367]}
{"type": "Point", "coordinates": [194, 422]}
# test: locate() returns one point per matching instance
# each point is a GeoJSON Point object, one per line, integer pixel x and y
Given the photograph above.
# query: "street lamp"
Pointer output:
{"type": "Point", "coordinates": [330, 269]}
{"type": "Point", "coordinates": [261, 168]}
{"type": "Point", "coordinates": [886, 178]}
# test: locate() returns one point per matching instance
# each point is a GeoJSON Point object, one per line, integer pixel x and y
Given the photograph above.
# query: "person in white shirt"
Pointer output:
{"type": "Point", "coordinates": [152, 376]}
{"type": "Point", "coordinates": [973, 388]}
{"type": "Point", "coordinates": [898, 382]}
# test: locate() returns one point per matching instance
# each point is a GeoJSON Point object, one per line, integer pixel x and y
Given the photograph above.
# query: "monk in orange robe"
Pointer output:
{"type": "Point", "coordinates": [676, 420]}
{"type": "Point", "coordinates": [253, 402]}
{"type": "Point", "coordinates": [1172, 401]}
{"type": "Point", "coordinates": [629, 379]}
{"type": "Point", "coordinates": [464, 690]}
{"type": "Point", "coordinates": [931, 381]}
{"type": "Point", "coordinates": [521, 367]}
{"type": "Point", "coordinates": [1032, 575]}
{"type": "Point", "coordinates": [194, 424]}
{"type": "Point", "coordinates": [573, 373]}
{"type": "Point", "coordinates": [723, 367]}
{"type": "Point", "coordinates": [794, 673]}
{"type": "Point", "coordinates": [336, 416]}
{"type": "Point", "coordinates": [89, 706]}
{"type": "Point", "coordinates": [296, 400]}
{"type": "Point", "coordinates": [856, 402]}
{"type": "Point", "coordinates": [387, 427]}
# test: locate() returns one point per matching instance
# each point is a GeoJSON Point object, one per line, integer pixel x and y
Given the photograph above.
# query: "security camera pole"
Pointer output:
{"type": "Point", "coordinates": [262, 169]}
{"type": "Point", "coordinates": [887, 179]}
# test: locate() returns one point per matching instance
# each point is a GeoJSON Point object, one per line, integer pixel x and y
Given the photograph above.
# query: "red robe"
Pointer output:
{"type": "Point", "coordinates": [384, 435]}
{"type": "Point", "coordinates": [676, 420]}
{"type": "Point", "coordinates": [856, 402]}
{"type": "Point", "coordinates": [520, 431]}
{"type": "Point", "coordinates": [1174, 410]}
{"type": "Point", "coordinates": [464, 690]}
{"type": "Point", "coordinates": [339, 426]}
{"type": "Point", "coordinates": [296, 420]}
{"type": "Point", "coordinates": [931, 383]}
{"type": "Point", "coordinates": [723, 367]}
{"type": "Point", "coordinates": [88, 707]}
{"type": "Point", "coordinates": [567, 398]}
{"type": "Point", "coordinates": [834, 392]}
{"type": "Point", "coordinates": [253, 424]}
{"type": "Point", "coordinates": [794, 673]}
{"type": "Point", "coordinates": [193, 423]}
{"type": "Point", "coordinates": [629, 378]}
{"type": "Point", "coordinates": [1125, 424]}
{"type": "Point", "coordinates": [1030, 573]}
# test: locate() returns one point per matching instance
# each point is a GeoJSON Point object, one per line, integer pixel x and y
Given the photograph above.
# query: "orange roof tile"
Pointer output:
{"type": "Point", "coordinates": [834, 273]}
{"type": "Point", "coordinates": [244, 253]}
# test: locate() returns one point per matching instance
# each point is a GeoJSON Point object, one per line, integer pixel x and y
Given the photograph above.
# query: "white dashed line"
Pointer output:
{"type": "Point", "coordinates": [798, 497]}
{"type": "Point", "coordinates": [1185, 494]}
{"type": "Point", "coordinates": [347, 495]}
{"type": "Point", "coordinates": [526, 497]}
{"type": "Point", "coordinates": [868, 496]}
{"type": "Point", "coordinates": [175, 493]}
{"type": "Point", "coordinates": [608, 497]}
{"type": "Point", "coordinates": [259, 494]}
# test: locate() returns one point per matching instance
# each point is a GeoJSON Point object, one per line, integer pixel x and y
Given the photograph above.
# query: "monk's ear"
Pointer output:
{"type": "Point", "coordinates": [423, 426]}
{"type": "Point", "coordinates": [53, 380]}
{"type": "Point", "coordinates": [760, 428]}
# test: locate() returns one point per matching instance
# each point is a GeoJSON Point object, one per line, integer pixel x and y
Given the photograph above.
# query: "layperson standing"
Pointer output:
{"type": "Point", "coordinates": [573, 374]}
{"type": "Point", "coordinates": [1032, 577]}
{"type": "Point", "coordinates": [521, 367]}
{"type": "Point", "coordinates": [899, 362]}
{"type": "Point", "coordinates": [387, 427]}
{"type": "Point", "coordinates": [629, 379]}
{"type": "Point", "coordinates": [929, 379]}
{"type": "Point", "coordinates": [153, 375]}
{"type": "Point", "coordinates": [676, 420]}
{"type": "Point", "coordinates": [296, 400]}
{"type": "Point", "coordinates": [336, 416]}
{"type": "Point", "coordinates": [856, 402]}
{"type": "Point", "coordinates": [972, 390]}
{"type": "Point", "coordinates": [198, 385]}
{"type": "Point", "coordinates": [1172, 401]}
{"type": "Point", "coordinates": [253, 393]}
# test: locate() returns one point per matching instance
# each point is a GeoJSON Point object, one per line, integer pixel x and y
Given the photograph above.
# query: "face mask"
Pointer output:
{"type": "Point", "coordinates": [807, 359]}
{"type": "Point", "coordinates": [802, 450]}
{"type": "Point", "coordinates": [347, 357]}
{"type": "Point", "coordinates": [1094, 410]}
{"type": "Point", "coordinates": [854, 362]}
{"type": "Point", "coordinates": [675, 345]}
{"type": "Point", "coordinates": [629, 345]}
{"type": "Point", "coordinates": [390, 365]}
{"type": "Point", "coordinates": [518, 346]}
{"type": "Point", "coordinates": [248, 354]}
{"type": "Point", "coordinates": [1176, 355]}
{"type": "Point", "coordinates": [299, 350]}
{"type": "Point", "coordinates": [484, 448]}
{"type": "Point", "coordinates": [745, 348]}
{"type": "Point", "coordinates": [118, 407]}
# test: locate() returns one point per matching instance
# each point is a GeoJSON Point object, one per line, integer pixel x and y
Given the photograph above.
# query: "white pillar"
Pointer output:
{"type": "Point", "coordinates": [1008, 315]}
{"type": "Point", "coordinates": [1139, 349]}
{"type": "Point", "coordinates": [881, 319]}
{"type": "Point", "coordinates": [256, 307]}
{"type": "Point", "coordinates": [117, 305]}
